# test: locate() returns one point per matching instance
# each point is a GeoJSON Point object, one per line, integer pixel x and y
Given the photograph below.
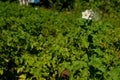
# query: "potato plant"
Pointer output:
{"type": "Point", "coordinates": [44, 44]}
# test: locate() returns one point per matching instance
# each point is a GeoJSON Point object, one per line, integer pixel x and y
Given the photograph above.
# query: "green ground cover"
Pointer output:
{"type": "Point", "coordinates": [46, 44]}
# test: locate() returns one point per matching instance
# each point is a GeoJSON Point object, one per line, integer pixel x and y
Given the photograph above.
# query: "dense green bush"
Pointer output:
{"type": "Point", "coordinates": [43, 44]}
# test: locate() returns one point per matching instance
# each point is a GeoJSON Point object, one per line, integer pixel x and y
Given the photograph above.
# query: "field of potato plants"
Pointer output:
{"type": "Point", "coordinates": [45, 44]}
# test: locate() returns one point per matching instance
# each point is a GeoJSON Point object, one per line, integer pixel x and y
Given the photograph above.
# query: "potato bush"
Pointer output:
{"type": "Point", "coordinates": [45, 44]}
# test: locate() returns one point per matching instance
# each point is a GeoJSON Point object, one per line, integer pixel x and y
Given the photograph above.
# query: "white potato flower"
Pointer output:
{"type": "Point", "coordinates": [88, 14]}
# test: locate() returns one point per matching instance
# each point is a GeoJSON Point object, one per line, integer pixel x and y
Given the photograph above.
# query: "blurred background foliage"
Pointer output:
{"type": "Point", "coordinates": [104, 8]}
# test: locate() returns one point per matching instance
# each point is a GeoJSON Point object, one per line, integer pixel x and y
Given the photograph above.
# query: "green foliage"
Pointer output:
{"type": "Point", "coordinates": [41, 44]}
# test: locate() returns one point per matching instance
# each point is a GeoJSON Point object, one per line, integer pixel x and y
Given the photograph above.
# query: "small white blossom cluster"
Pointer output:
{"type": "Point", "coordinates": [88, 14]}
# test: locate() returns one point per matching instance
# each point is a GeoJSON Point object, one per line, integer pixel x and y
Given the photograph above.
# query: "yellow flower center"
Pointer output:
{"type": "Point", "coordinates": [85, 14]}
